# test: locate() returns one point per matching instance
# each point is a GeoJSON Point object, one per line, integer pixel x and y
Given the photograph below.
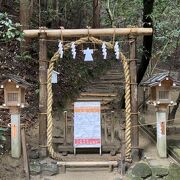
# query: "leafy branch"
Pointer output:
{"type": "Point", "coordinates": [111, 12]}
{"type": "Point", "coordinates": [8, 29]}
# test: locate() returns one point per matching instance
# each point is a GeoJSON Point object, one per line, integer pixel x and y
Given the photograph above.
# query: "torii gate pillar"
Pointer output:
{"type": "Point", "coordinates": [134, 99]}
{"type": "Point", "coordinates": [43, 93]}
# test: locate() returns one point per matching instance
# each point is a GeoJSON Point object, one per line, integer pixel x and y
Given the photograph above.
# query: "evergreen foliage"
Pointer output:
{"type": "Point", "coordinates": [9, 30]}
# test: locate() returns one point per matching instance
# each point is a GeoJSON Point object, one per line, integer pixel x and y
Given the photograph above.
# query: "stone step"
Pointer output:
{"type": "Point", "coordinates": [95, 98]}
{"type": "Point", "coordinates": [111, 78]}
{"type": "Point", "coordinates": [115, 75]}
{"type": "Point", "coordinates": [87, 94]}
{"type": "Point", "coordinates": [59, 140]}
{"type": "Point", "coordinates": [108, 82]}
{"type": "Point", "coordinates": [103, 86]}
{"type": "Point", "coordinates": [88, 164]}
{"type": "Point", "coordinates": [100, 90]}
{"type": "Point", "coordinates": [117, 70]}
{"type": "Point", "coordinates": [70, 148]}
{"type": "Point", "coordinates": [103, 103]}
{"type": "Point", "coordinates": [109, 73]}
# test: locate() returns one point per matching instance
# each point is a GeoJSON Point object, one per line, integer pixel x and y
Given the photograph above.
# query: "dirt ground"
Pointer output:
{"type": "Point", "coordinates": [12, 169]}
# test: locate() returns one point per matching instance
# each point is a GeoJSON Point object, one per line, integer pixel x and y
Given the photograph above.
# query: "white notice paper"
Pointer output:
{"type": "Point", "coordinates": [87, 124]}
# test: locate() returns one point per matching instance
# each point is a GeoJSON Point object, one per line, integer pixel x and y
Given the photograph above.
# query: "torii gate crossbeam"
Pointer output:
{"type": "Point", "coordinates": [55, 33]}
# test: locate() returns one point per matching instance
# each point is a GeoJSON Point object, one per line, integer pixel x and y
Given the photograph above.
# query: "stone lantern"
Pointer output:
{"type": "Point", "coordinates": [14, 99]}
{"type": "Point", "coordinates": [14, 91]}
{"type": "Point", "coordinates": [160, 86]}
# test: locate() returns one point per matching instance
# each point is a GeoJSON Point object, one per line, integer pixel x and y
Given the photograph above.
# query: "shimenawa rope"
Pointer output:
{"type": "Point", "coordinates": [51, 150]}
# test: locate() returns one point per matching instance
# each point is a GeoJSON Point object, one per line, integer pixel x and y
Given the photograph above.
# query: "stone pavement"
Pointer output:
{"type": "Point", "coordinates": [81, 174]}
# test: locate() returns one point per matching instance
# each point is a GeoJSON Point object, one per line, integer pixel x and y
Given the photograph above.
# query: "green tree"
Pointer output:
{"type": "Point", "coordinates": [165, 17]}
{"type": "Point", "coordinates": [8, 29]}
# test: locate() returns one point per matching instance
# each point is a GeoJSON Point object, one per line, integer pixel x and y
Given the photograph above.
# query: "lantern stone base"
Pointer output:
{"type": "Point", "coordinates": [135, 153]}
{"type": "Point", "coordinates": [15, 136]}
{"type": "Point", "coordinates": [43, 152]}
{"type": "Point", "coordinates": [161, 133]}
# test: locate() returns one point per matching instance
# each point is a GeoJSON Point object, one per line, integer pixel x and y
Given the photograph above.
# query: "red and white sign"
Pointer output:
{"type": "Point", "coordinates": [87, 124]}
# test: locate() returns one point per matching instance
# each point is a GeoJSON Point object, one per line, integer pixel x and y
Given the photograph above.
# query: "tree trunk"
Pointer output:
{"type": "Point", "coordinates": [57, 13]}
{"type": "Point", "coordinates": [147, 40]}
{"type": "Point", "coordinates": [3, 3]}
{"type": "Point", "coordinates": [57, 6]}
{"type": "Point", "coordinates": [96, 14]}
{"type": "Point", "coordinates": [43, 4]}
{"type": "Point", "coordinates": [172, 114]}
{"type": "Point", "coordinates": [110, 14]}
{"type": "Point", "coordinates": [50, 4]}
{"type": "Point", "coordinates": [147, 44]}
{"type": "Point", "coordinates": [26, 10]}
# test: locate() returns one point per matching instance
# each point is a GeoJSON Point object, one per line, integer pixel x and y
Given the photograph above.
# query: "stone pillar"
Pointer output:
{"type": "Point", "coordinates": [161, 132]}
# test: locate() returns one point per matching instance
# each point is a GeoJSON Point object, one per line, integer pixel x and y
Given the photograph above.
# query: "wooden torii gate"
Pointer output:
{"type": "Point", "coordinates": [44, 34]}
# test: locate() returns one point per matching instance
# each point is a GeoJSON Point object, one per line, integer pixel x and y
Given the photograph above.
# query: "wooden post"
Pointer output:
{"type": "Point", "coordinates": [42, 94]}
{"type": "Point", "coordinates": [105, 131]}
{"type": "Point", "coordinates": [144, 106]}
{"type": "Point", "coordinates": [112, 126]}
{"type": "Point", "coordinates": [25, 155]}
{"type": "Point", "coordinates": [134, 99]}
{"type": "Point", "coordinates": [65, 127]}
{"type": "Point", "coordinates": [122, 164]}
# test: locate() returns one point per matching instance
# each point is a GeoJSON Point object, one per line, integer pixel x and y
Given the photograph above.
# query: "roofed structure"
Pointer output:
{"type": "Point", "coordinates": [158, 78]}
{"type": "Point", "coordinates": [16, 79]}
{"type": "Point", "coordinates": [14, 91]}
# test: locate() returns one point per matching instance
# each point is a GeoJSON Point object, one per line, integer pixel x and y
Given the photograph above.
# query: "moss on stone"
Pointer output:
{"type": "Point", "coordinates": [177, 151]}
{"type": "Point", "coordinates": [35, 168]}
{"type": "Point", "coordinates": [159, 171]}
{"type": "Point", "coordinates": [141, 170]}
{"type": "Point", "coordinates": [117, 178]}
{"type": "Point", "coordinates": [152, 178]}
{"type": "Point", "coordinates": [174, 170]}
{"type": "Point", "coordinates": [133, 178]}
{"type": "Point", "coordinates": [169, 177]}
{"type": "Point", "coordinates": [136, 178]}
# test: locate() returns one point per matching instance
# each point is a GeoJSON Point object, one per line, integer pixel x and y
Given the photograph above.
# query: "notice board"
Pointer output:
{"type": "Point", "coordinates": [87, 125]}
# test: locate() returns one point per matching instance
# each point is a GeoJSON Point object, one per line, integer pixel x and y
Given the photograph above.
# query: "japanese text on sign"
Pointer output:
{"type": "Point", "coordinates": [87, 124]}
